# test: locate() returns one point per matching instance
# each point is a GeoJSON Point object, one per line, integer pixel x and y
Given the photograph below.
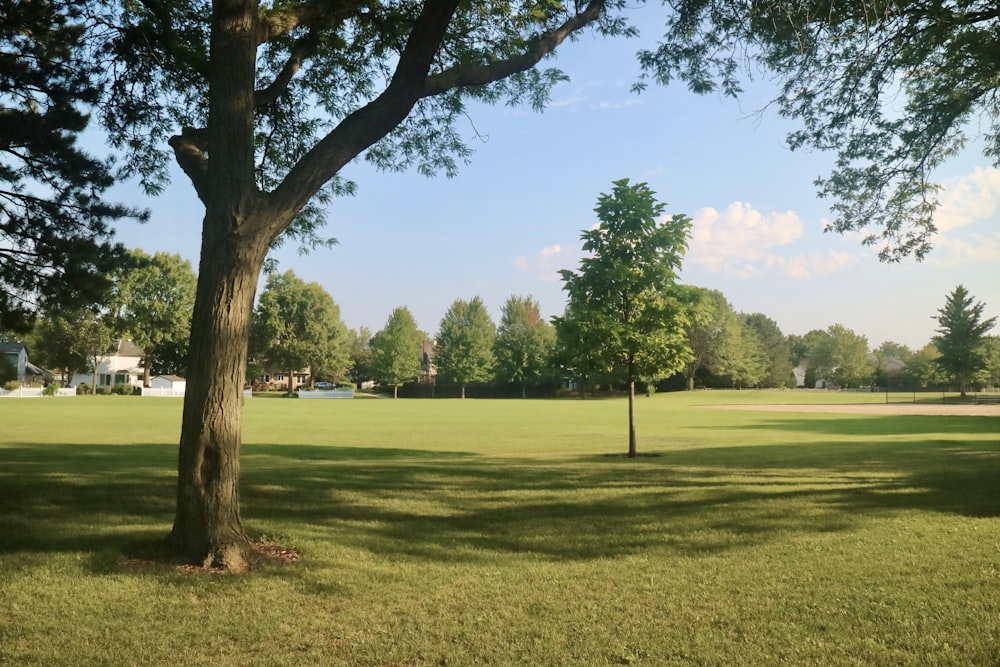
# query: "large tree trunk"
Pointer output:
{"type": "Point", "coordinates": [235, 238]}
{"type": "Point", "coordinates": [207, 526]}
{"type": "Point", "coordinates": [632, 449]}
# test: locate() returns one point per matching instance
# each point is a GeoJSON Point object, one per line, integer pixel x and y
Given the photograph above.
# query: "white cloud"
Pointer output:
{"type": "Point", "coordinates": [968, 198]}
{"type": "Point", "coordinates": [745, 242]}
{"type": "Point", "coordinates": [949, 252]}
{"type": "Point", "coordinates": [545, 264]}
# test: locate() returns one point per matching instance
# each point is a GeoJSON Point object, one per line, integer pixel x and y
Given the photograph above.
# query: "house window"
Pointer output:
{"type": "Point", "coordinates": [105, 380]}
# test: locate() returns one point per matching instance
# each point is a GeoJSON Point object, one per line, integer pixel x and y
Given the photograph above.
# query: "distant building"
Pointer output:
{"type": "Point", "coordinates": [122, 366]}
{"type": "Point", "coordinates": [17, 355]}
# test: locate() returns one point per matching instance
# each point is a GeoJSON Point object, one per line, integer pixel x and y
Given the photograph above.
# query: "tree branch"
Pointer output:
{"type": "Point", "coordinates": [477, 75]}
{"type": "Point", "coordinates": [304, 48]}
{"type": "Point", "coordinates": [364, 127]}
{"type": "Point", "coordinates": [190, 150]}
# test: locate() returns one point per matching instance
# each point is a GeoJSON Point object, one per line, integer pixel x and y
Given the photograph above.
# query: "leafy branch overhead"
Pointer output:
{"type": "Point", "coordinates": [893, 88]}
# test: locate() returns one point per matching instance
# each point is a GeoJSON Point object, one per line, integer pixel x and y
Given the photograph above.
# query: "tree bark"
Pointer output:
{"type": "Point", "coordinates": [207, 526]}
{"type": "Point", "coordinates": [632, 448]}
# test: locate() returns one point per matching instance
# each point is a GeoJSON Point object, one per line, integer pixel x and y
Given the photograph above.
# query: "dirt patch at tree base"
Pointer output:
{"type": "Point", "coordinates": [148, 557]}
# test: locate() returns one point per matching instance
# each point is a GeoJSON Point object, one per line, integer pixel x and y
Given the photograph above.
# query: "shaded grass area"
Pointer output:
{"type": "Point", "coordinates": [499, 532]}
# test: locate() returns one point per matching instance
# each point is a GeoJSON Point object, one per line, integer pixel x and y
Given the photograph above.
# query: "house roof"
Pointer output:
{"type": "Point", "coordinates": [12, 348]}
{"type": "Point", "coordinates": [32, 369]}
{"type": "Point", "coordinates": [172, 378]}
{"type": "Point", "coordinates": [127, 348]}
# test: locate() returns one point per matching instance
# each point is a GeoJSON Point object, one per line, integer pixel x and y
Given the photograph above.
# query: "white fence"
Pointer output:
{"type": "Point", "coordinates": [326, 393]}
{"type": "Point", "coordinates": [163, 392]}
{"type": "Point", "coordinates": [35, 392]}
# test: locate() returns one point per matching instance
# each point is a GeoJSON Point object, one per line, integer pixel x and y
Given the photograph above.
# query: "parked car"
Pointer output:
{"type": "Point", "coordinates": [325, 385]}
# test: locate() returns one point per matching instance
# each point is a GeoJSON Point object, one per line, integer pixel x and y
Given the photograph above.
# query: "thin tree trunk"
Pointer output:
{"type": "Point", "coordinates": [632, 449]}
{"type": "Point", "coordinates": [395, 391]}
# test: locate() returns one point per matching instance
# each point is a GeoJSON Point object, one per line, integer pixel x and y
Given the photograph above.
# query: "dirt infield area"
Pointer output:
{"type": "Point", "coordinates": [933, 409]}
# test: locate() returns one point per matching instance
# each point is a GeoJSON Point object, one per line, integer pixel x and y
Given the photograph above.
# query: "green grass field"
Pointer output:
{"type": "Point", "coordinates": [501, 533]}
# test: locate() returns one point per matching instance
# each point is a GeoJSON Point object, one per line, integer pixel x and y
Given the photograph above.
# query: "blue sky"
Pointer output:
{"type": "Point", "coordinates": [512, 217]}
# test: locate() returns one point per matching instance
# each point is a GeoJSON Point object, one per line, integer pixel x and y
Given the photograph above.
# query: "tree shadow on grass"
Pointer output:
{"type": "Point", "coordinates": [460, 506]}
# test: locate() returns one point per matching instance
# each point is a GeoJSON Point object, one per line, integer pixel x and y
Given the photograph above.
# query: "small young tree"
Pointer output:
{"type": "Point", "coordinates": [396, 351]}
{"type": "Point", "coordinates": [961, 333]}
{"type": "Point", "coordinates": [464, 351]}
{"type": "Point", "coordinates": [626, 290]}
{"type": "Point", "coordinates": [297, 324]}
{"type": "Point", "coordinates": [93, 339]}
{"type": "Point", "coordinates": [524, 342]}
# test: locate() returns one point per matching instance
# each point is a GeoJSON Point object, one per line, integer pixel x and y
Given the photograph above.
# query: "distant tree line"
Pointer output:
{"type": "Point", "coordinates": [297, 325]}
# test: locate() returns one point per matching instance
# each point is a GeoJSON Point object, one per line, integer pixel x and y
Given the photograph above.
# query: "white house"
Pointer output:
{"type": "Point", "coordinates": [17, 355]}
{"type": "Point", "coordinates": [122, 366]}
{"type": "Point", "coordinates": [165, 385]}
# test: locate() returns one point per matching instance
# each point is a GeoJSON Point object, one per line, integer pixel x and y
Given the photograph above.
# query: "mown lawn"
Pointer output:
{"type": "Point", "coordinates": [502, 533]}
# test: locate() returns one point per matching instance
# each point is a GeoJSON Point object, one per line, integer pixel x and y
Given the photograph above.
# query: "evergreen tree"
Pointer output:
{"type": "Point", "coordinates": [961, 335]}
{"type": "Point", "coordinates": [56, 249]}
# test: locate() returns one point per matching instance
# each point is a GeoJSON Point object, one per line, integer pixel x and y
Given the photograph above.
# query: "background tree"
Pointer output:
{"type": "Point", "coordinates": [961, 334]}
{"type": "Point", "coordinates": [152, 299]}
{"type": "Point", "coordinates": [275, 98]}
{"type": "Point", "coordinates": [890, 360]}
{"type": "Point", "coordinates": [892, 87]}
{"type": "Point", "coordinates": [54, 346]}
{"type": "Point", "coordinates": [840, 355]}
{"type": "Point", "coordinates": [922, 370]}
{"type": "Point", "coordinates": [359, 355]}
{"type": "Point", "coordinates": [742, 358]}
{"type": "Point", "coordinates": [775, 348]}
{"type": "Point", "coordinates": [626, 289]}
{"type": "Point", "coordinates": [576, 355]}
{"type": "Point", "coordinates": [710, 331]}
{"type": "Point", "coordinates": [297, 325]}
{"type": "Point", "coordinates": [55, 240]}
{"type": "Point", "coordinates": [397, 351]}
{"type": "Point", "coordinates": [464, 347]}
{"type": "Point", "coordinates": [990, 375]}
{"type": "Point", "coordinates": [523, 344]}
